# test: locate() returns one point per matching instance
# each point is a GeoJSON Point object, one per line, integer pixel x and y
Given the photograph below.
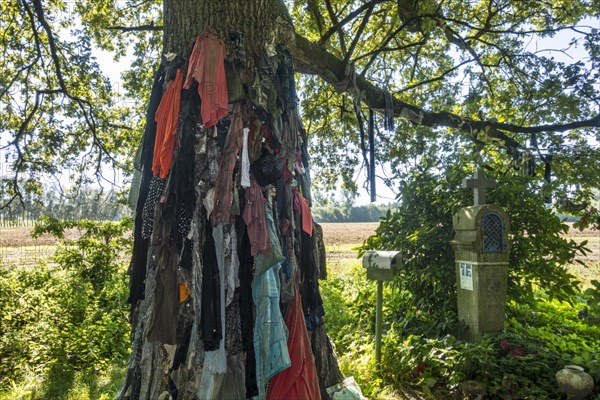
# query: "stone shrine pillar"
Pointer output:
{"type": "Point", "coordinates": [481, 251]}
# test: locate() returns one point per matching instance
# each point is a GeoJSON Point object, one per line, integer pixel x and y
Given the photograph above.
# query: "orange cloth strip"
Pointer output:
{"type": "Point", "coordinates": [184, 292]}
{"type": "Point", "coordinates": [167, 120]}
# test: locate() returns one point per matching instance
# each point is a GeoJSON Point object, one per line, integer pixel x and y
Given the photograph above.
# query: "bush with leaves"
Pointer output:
{"type": "Point", "coordinates": [538, 341]}
{"type": "Point", "coordinates": [544, 331]}
{"type": "Point", "coordinates": [591, 313]}
{"type": "Point", "coordinates": [70, 314]}
{"type": "Point", "coordinates": [421, 228]}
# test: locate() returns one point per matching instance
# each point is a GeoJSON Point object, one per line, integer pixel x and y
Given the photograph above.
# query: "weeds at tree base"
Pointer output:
{"type": "Point", "coordinates": [520, 362]}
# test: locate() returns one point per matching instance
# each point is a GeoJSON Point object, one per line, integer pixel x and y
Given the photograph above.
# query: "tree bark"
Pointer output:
{"type": "Point", "coordinates": [258, 20]}
{"type": "Point", "coordinates": [168, 357]}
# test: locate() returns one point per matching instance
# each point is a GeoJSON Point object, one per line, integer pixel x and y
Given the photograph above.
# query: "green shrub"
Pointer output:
{"type": "Point", "coordinates": [70, 314]}
{"type": "Point", "coordinates": [421, 228]}
{"type": "Point", "coordinates": [591, 313]}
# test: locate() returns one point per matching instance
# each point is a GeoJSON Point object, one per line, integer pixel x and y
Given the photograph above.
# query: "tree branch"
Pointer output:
{"type": "Point", "coordinates": [363, 23]}
{"type": "Point", "coordinates": [347, 19]}
{"type": "Point", "coordinates": [488, 21]}
{"type": "Point", "coordinates": [313, 8]}
{"type": "Point", "coordinates": [454, 38]}
{"type": "Point", "coordinates": [335, 22]}
{"type": "Point", "coordinates": [434, 79]}
{"type": "Point", "coordinates": [39, 12]}
{"type": "Point", "coordinates": [593, 122]}
{"type": "Point", "coordinates": [512, 31]}
{"type": "Point", "coordinates": [149, 27]}
{"type": "Point", "coordinates": [44, 44]}
{"type": "Point", "coordinates": [85, 106]}
{"type": "Point", "coordinates": [384, 49]}
{"type": "Point", "coordinates": [386, 42]}
{"type": "Point", "coordinates": [33, 62]}
{"type": "Point", "coordinates": [311, 58]}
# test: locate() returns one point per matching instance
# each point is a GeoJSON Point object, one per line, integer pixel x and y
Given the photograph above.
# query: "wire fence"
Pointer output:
{"type": "Point", "coordinates": [26, 256]}
{"type": "Point", "coordinates": [20, 222]}
{"type": "Point", "coordinates": [17, 247]}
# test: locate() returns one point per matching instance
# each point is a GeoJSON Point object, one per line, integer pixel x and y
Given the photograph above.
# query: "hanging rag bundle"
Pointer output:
{"type": "Point", "coordinates": [245, 179]}
{"type": "Point", "coordinates": [270, 332]}
{"type": "Point", "coordinates": [388, 120]}
{"type": "Point", "coordinates": [307, 222]}
{"type": "Point", "coordinates": [255, 219]}
{"type": "Point", "coordinates": [207, 67]}
{"type": "Point", "coordinates": [224, 185]}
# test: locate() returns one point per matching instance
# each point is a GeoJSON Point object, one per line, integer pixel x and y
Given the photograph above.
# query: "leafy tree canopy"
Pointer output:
{"type": "Point", "coordinates": [464, 78]}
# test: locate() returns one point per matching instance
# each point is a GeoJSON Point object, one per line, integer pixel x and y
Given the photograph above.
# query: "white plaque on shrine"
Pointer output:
{"type": "Point", "coordinates": [466, 276]}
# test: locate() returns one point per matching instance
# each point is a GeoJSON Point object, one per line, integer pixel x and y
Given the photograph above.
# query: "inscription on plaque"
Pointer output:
{"type": "Point", "coordinates": [466, 276]}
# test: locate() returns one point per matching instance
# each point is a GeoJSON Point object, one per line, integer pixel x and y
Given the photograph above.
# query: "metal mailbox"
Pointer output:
{"type": "Point", "coordinates": [381, 265]}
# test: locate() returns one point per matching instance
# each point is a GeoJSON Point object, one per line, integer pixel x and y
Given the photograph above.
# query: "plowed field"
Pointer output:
{"type": "Point", "coordinates": [17, 245]}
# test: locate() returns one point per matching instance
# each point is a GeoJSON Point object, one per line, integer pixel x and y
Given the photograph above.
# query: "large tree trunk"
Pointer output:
{"type": "Point", "coordinates": [178, 272]}
{"type": "Point", "coordinates": [256, 19]}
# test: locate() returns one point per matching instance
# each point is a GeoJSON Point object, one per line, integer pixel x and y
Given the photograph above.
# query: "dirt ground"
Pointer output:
{"type": "Point", "coordinates": [335, 235]}
{"type": "Point", "coordinates": [21, 236]}
{"type": "Point", "coordinates": [356, 233]}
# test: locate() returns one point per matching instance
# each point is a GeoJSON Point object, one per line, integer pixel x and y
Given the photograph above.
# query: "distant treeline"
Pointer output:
{"type": "Point", "coordinates": [371, 213]}
{"type": "Point", "coordinates": [368, 213]}
{"type": "Point", "coordinates": [87, 202]}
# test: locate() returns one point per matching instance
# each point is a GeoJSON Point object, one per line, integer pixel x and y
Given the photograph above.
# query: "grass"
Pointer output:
{"type": "Point", "coordinates": [68, 385]}
{"type": "Point", "coordinates": [341, 257]}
